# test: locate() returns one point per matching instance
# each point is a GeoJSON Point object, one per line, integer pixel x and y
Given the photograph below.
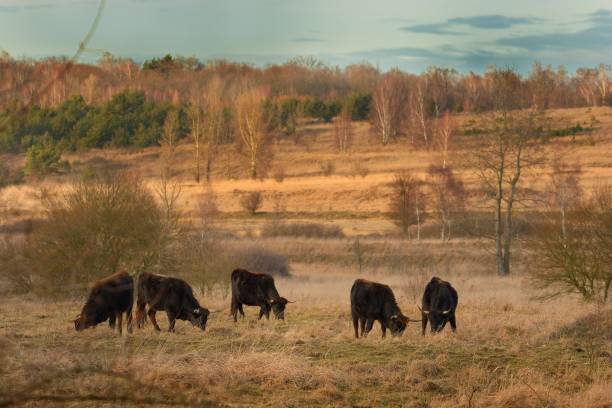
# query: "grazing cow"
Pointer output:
{"type": "Point", "coordinates": [372, 301]}
{"type": "Point", "coordinates": [173, 295]}
{"type": "Point", "coordinates": [108, 299]}
{"type": "Point", "coordinates": [440, 301]}
{"type": "Point", "coordinates": [256, 289]}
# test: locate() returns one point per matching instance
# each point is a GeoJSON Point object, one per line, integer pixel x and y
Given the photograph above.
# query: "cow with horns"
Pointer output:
{"type": "Point", "coordinates": [256, 289]}
{"type": "Point", "coordinates": [439, 304]}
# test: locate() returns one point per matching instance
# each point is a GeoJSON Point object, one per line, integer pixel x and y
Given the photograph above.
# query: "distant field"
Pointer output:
{"type": "Point", "coordinates": [509, 351]}
{"type": "Point", "coordinates": [305, 190]}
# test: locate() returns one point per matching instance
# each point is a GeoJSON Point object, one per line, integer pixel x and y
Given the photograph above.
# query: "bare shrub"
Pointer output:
{"type": "Point", "coordinates": [305, 230]}
{"type": "Point", "coordinates": [407, 205]}
{"type": "Point", "coordinates": [251, 201]}
{"type": "Point", "coordinates": [13, 267]}
{"type": "Point", "coordinates": [327, 168]}
{"type": "Point", "coordinates": [574, 253]}
{"type": "Point", "coordinates": [360, 169]}
{"type": "Point", "coordinates": [256, 258]}
{"type": "Point", "coordinates": [279, 173]}
{"type": "Point", "coordinates": [94, 230]}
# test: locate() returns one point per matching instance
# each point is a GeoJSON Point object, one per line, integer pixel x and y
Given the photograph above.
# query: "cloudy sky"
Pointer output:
{"type": "Point", "coordinates": [410, 34]}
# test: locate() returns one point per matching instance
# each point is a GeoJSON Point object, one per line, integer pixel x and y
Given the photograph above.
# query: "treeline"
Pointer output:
{"type": "Point", "coordinates": [51, 81]}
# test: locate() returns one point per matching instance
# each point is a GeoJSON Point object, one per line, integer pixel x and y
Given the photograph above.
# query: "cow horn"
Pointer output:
{"type": "Point", "coordinates": [290, 301]}
{"type": "Point", "coordinates": [422, 311]}
{"type": "Point", "coordinates": [196, 310]}
{"type": "Point", "coordinates": [446, 311]}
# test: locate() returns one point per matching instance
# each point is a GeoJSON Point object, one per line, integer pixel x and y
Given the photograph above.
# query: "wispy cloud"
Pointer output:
{"type": "Point", "coordinates": [491, 21]}
{"type": "Point", "coordinates": [307, 40]}
{"type": "Point", "coordinates": [438, 29]}
{"type": "Point", "coordinates": [596, 37]}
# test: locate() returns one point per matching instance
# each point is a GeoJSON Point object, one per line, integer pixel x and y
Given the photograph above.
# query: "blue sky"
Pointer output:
{"type": "Point", "coordinates": [466, 35]}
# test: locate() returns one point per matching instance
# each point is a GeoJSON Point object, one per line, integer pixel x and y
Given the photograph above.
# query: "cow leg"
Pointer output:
{"type": "Point", "coordinates": [171, 321]}
{"type": "Point", "coordinates": [453, 323]}
{"type": "Point", "coordinates": [362, 324]}
{"type": "Point", "coordinates": [240, 310]}
{"type": "Point", "coordinates": [355, 326]}
{"type": "Point", "coordinates": [129, 319]}
{"type": "Point", "coordinates": [369, 324]}
{"type": "Point", "coordinates": [384, 329]}
{"type": "Point", "coordinates": [423, 322]}
{"type": "Point", "coordinates": [262, 312]}
{"type": "Point", "coordinates": [151, 314]}
{"type": "Point", "coordinates": [120, 322]}
{"type": "Point", "coordinates": [141, 314]}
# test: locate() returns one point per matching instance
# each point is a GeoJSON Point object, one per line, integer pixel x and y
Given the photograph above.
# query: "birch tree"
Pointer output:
{"type": "Point", "coordinates": [252, 126]}
{"type": "Point", "coordinates": [389, 101]}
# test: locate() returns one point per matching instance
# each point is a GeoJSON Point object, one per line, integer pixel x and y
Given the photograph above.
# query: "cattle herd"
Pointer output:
{"type": "Point", "coordinates": [113, 296]}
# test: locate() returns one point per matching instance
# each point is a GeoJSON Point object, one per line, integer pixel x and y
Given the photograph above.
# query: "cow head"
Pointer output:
{"type": "Point", "coordinates": [437, 318]}
{"type": "Point", "coordinates": [83, 321]}
{"type": "Point", "coordinates": [278, 307]}
{"type": "Point", "coordinates": [199, 317]}
{"type": "Point", "coordinates": [397, 324]}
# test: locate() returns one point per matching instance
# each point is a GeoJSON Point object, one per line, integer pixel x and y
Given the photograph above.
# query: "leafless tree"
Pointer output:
{"type": "Point", "coordinates": [445, 130]}
{"type": "Point", "coordinates": [389, 102]}
{"type": "Point", "coordinates": [504, 154]}
{"type": "Point", "coordinates": [196, 117]}
{"type": "Point", "coordinates": [169, 141]}
{"type": "Point", "coordinates": [564, 191]}
{"type": "Point", "coordinates": [252, 125]}
{"type": "Point", "coordinates": [214, 118]}
{"type": "Point", "coordinates": [407, 205]}
{"type": "Point", "coordinates": [343, 130]}
{"type": "Point", "coordinates": [419, 109]}
{"type": "Point", "coordinates": [448, 197]}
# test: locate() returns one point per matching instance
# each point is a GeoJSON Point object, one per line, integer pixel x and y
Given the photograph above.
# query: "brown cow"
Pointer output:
{"type": "Point", "coordinates": [256, 289]}
{"type": "Point", "coordinates": [108, 299]}
{"type": "Point", "coordinates": [173, 295]}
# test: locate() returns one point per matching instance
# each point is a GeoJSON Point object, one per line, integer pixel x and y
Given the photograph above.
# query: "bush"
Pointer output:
{"type": "Point", "coordinates": [97, 228]}
{"type": "Point", "coordinates": [251, 201]}
{"type": "Point", "coordinates": [359, 106]}
{"type": "Point", "coordinates": [306, 230]}
{"type": "Point", "coordinates": [359, 169]}
{"type": "Point", "coordinates": [327, 168]}
{"type": "Point", "coordinates": [256, 258]}
{"type": "Point", "coordinates": [579, 259]}
{"type": "Point", "coordinates": [43, 157]}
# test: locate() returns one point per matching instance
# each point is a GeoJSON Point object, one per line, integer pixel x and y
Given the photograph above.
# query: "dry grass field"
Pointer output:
{"type": "Point", "coordinates": [511, 349]}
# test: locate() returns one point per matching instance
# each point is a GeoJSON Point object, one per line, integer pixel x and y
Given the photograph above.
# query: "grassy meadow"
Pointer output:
{"type": "Point", "coordinates": [511, 349]}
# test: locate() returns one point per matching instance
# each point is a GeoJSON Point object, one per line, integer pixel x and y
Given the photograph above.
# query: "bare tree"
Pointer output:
{"type": "Point", "coordinates": [196, 117]}
{"type": "Point", "coordinates": [252, 125]}
{"type": "Point", "coordinates": [506, 151]}
{"type": "Point", "coordinates": [169, 140]}
{"type": "Point", "coordinates": [389, 101]}
{"type": "Point", "coordinates": [343, 130]}
{"type": "Point", "coordinates": [448, 197]}
{"type": "Point", "coordinates": [215, 121]}
{"type": "Point", "coordinates": [419, 109]}
{"type": "Point", "coordinates": [564, 190]}
{"type": "Point", "coordinates": [445, 130]}
{"type": "Point", "coordinates": [407, 206]}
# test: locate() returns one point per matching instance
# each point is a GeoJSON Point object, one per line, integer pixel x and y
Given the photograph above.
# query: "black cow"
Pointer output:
{"type": "Point", "coordinates": [108, 299]}
{"type": "Point", "coordinates": [256, 289]}
{"type": "Point", "coordinates": [372, 301]}
{"type": "Point", "coordinates": [173, 295]}
{"type": "Point", "coordinates": [440, 301]}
